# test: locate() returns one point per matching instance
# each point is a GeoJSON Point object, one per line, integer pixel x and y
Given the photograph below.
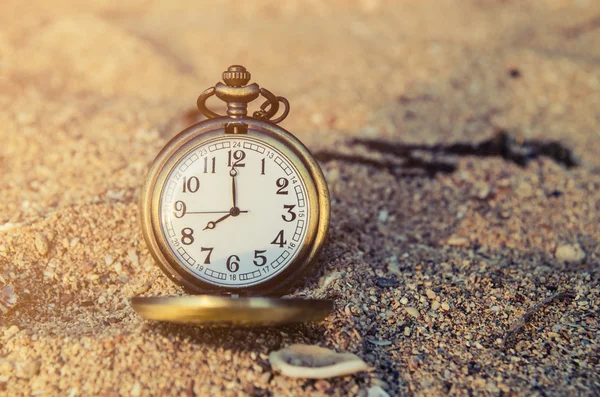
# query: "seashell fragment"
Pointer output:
{"type": "Point", "coordinates": [314, 362]}
{"type": "Point", "coordinates": [8, 299]}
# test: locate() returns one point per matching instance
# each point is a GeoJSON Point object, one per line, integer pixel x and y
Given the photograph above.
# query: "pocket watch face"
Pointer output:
{"type": "Point", "coordinates": [235, 211]}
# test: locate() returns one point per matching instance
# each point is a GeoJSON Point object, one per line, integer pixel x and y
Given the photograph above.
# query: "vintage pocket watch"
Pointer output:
{"type": "Point", "coordinates": [235, 210]}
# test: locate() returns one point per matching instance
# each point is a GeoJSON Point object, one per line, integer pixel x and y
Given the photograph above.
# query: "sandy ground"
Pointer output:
{"type": "Point", "coordinates": [482, 271]}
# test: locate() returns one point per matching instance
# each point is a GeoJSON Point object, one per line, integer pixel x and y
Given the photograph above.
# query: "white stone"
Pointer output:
{"type": "Point", "coordinates": [570, 253]}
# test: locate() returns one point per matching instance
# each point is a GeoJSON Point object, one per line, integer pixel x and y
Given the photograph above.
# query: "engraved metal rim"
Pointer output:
{"type": "Point", "coordinates": [302, 160]}
{"type": "Point", "coordinates": [205, 309]}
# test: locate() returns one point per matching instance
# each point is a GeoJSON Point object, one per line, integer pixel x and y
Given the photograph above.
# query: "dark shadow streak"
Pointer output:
{"type": "Point", "coordinates": [431, 168]}
{"type": "Point", "coordinates": [241, 338]}
{"type": "Point", "coordinates": [573, 32]}
{"type": "Point", "coordinates": [501, 145]}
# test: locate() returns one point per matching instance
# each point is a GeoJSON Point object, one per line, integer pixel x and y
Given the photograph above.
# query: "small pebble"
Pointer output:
{"type": "Point", "coordinates": [445, 307]}
{"type": "Point", "coordinates": [407, 331]}
{"type": "Point", "coordinates": [265, 378]}
{"type": "Point", "coordinates": [458, 241]}
{"type": "Point", "coordinates": [404, 300]}
{"type": "Point", "coordinates": [483, 192]}
{"type": "Point", "coordinates": [136, 390]}
{"type": "Point", "coordinates": [570, 253]}
{"type": "Point", "coordinates": [141, 289]}
{"type": "Point", "coordinates": [41, 244]}
{"type": "Point", "coordinates": [524, 189]}
{"type": "Point", "coordinates": [322, 385]}
{"type": "Point", "coordinates": [412, 311]}
{"type": "Point", "coordinates": [495, 309]}
{"type": "Point", "coordinates": [133, 257]}
{"type": "Point", "coordinates": [30, 369]}
{"type": "Point", "coordinates": [430, 294]}
{"type": "Point", "coordinates": [11, 331]}
{"type": "Point", "coordinates": [87, 267]}
{"type": "Point", "coordinates": [333, 175]}
{"type": "Point", "coordinates": [435, 305]}
{"type": "Point", "coordinates": [383, 216]}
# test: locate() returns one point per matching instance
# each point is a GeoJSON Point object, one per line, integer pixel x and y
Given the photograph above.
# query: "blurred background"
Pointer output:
{"type": "Point", "coordinates": [91, 90]}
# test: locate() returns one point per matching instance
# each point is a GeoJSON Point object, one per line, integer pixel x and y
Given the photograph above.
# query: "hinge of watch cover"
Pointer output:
{"type": "Point", "coordinates": [233, 295]}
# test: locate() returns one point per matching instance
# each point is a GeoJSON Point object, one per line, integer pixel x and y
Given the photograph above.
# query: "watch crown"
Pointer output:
{"type": "Point", "coordinates": [236, 76]}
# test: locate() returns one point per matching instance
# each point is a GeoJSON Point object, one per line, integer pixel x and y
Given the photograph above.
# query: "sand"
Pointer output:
{"type": "Point", "coordinates": [480, 266]}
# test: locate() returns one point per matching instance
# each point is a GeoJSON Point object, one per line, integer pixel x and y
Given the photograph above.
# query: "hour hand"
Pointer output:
{"type": "Point", "coordinates": [212, 224]}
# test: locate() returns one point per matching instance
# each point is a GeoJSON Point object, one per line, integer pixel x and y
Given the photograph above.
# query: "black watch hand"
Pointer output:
{"type": "Point", "coordinates": [211, 224]}
{"type": "Point", "coordinates": [210, 212]}
{"type": "Point", "coordinates": [234, 211]}
{"type": "Point", "coordinates": [233, 174]}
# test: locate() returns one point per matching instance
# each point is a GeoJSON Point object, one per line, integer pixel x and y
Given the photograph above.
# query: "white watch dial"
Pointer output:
{"type": "Point", "coordinates": [234, 211]}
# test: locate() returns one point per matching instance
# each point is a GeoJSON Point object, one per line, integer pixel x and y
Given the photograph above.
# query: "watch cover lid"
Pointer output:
{"type": "Point", "coordinates": [225, 310]}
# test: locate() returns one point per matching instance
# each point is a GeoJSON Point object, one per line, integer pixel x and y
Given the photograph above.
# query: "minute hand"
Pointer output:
{"type": "Point", "coordinates": [233, 174]}
{"type": "Point", "coordinates": [211, 212]}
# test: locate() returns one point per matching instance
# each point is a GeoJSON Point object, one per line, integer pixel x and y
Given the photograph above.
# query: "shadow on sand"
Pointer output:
{"type": "Point", "coordinates": [503, 145]}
